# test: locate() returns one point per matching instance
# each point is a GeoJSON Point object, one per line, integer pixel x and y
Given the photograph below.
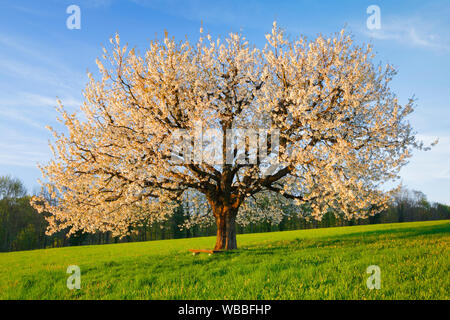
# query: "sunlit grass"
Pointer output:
{"type": "Point", "coordinates": [307, 264]}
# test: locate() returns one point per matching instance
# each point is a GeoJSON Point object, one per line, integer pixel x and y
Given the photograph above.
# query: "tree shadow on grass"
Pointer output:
{"type": "Point", "coordinates": [355, 238]}
{"type": "Point", "coordinates": [285, 247]}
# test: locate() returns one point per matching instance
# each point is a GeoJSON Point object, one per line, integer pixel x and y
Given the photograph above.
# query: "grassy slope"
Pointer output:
{"type": "Point", "coordinates": [308, 264]}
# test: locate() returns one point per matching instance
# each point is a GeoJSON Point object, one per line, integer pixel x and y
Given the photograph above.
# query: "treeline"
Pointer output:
{"type": "Point", "coordinates": [22, 228]}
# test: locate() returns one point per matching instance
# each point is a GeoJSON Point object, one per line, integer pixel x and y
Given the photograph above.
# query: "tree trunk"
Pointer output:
{"type": "Point", "coordinates": [225, 216]}
{"type": "Point", "coordinates": [225, 209]}
{"type": "Point", "coordinates": [226, 231]}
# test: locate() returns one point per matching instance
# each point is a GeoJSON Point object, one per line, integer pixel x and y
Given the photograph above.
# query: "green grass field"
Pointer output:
{"type": "Point", "coordinates": [308, 264]}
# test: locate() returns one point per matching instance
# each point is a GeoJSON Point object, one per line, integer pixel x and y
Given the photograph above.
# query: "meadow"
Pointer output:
{"type": "Point", "coordinates": [326, 263]}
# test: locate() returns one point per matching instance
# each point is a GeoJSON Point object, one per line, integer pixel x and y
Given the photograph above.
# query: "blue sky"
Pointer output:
{"type": "Point", "coordinates": [40, 60]}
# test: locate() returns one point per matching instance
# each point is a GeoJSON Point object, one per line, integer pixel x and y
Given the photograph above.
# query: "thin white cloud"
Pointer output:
{"type": "Point", "coordinates": [19, 148]}
{"type": "Point", "coordinates": [21, 119]}
{"type": "Point", "coordinates": [23, 64]}
{"type": "Point", "coordinates": [33, 110]}
{"type": "Point", "coordinates": [28, 99]}
{"type": "Point", "coordinates": [411, 31]}
{"type": "Point", "coordinates": [24, 59]}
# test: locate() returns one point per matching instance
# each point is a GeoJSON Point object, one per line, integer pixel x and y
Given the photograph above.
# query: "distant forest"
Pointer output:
{"type": "Point", "coordinates": [23, 228]}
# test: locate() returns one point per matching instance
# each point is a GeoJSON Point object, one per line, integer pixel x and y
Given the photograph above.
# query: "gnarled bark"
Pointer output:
{"type": "Point", "coordinates": [226, 226]}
